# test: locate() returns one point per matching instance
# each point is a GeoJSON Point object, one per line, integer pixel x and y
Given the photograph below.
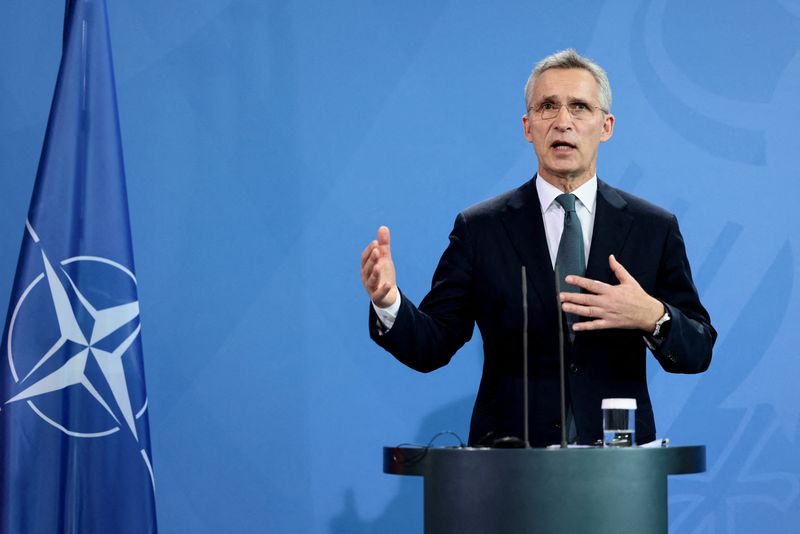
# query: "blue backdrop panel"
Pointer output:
{"type": "Point", "coordinates": [266, 141]}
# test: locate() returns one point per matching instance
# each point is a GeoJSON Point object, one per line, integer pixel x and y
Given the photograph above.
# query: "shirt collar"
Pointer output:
{"type": "Point", "coordinates": [587, 193]}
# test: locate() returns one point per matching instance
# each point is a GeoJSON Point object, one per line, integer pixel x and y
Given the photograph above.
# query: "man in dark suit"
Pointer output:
{"type": "Point", "coordinates": [627, 283]}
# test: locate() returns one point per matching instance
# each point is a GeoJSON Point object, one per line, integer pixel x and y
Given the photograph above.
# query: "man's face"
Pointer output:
{"type": "Point", "coordinates": [565, 146]}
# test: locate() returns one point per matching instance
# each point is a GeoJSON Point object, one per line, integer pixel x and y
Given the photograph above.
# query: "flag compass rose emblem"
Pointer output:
{"type": "Point", "coordinates": [69, 337]}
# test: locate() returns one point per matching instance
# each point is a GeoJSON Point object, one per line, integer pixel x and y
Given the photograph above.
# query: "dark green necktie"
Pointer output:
{"type": "Point", "coordinates": [570, 258]}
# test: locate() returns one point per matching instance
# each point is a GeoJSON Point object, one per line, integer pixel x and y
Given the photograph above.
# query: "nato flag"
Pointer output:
{"type": "Point", "coordinates": [74, 440]}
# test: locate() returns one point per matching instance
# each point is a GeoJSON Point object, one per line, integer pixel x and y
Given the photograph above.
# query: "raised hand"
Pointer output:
{"type": "Point", "coordinates": [377, 270]}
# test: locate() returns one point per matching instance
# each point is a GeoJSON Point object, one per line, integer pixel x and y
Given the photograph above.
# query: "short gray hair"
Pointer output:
{"type": "Point", "coordinates": [570, 59]}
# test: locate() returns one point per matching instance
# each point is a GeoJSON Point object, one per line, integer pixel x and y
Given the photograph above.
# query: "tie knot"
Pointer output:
{"type": "Point", "coordinates": [567, 201]}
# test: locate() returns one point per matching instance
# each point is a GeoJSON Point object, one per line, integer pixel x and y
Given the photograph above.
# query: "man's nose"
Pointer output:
{"type": "Point", "coordinates": [563, 120]}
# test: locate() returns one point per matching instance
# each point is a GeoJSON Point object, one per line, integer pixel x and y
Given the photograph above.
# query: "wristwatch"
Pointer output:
{"type": "Point", "coordinates": [662, 326]}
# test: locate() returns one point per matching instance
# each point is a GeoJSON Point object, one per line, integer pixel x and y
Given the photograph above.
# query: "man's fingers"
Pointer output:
{"type": "Point", "coordinates": [377, 269]}
{"type": "Point", "coordinates": [367, 251]}
{"type": "Point", "coordinates": [593, 286]}
{"type": "Point", "coordinates": [373, 279]}
{"type": "Point", "coordinates": [369, 265]}
{"type": "Point", "coordinates": [376, 264]}
{"type": "Point", "coordinates": [376, 280]}
{"type": "Point", "coordinates": [599, 324]}
{"type": "Point", "coordinates": [624, 305]}
{"type": "Point", "coordinates": [584, 311]}
{"type": "Point", "coordinates": [619, 271]}
{"type": "Point", "coordinates": [584, 299]}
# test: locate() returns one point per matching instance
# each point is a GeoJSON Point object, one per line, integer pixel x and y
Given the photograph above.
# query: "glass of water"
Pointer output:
{"type": "Point", "coordinates": [619, 422]}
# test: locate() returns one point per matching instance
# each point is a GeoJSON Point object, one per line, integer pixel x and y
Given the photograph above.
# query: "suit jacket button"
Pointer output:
{"type": "Point", "coordinates": [573, 368]}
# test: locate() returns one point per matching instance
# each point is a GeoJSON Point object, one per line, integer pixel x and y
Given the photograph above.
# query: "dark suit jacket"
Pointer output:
{"type": "Point", "coordinates": [478, 280]}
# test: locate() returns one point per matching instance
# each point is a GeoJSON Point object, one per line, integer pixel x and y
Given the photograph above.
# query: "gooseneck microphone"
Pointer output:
{"type": "Point", "coordinates": [513, 442]}
{"type": "Point", "coordinates": [562, 383]}
{"type": "Point", "coordinates": [525, 435]}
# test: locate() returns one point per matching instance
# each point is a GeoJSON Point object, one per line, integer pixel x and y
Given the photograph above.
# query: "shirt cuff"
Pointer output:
{"type": "Point", "coordinates": [388, 315]}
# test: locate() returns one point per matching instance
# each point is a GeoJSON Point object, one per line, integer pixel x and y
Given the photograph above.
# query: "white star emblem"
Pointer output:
{"type": "Point", "coordinates": [73, 372]}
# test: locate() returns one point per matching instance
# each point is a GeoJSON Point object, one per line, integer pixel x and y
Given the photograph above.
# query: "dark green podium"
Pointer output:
{"type": "Point", "coordinates": [545, 491]}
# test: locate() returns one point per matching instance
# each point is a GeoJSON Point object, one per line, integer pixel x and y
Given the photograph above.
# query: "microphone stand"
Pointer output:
{"type": "Point", "coordinates": [561, 365]}
{"type": "Point", "coordinates": [525, 357]}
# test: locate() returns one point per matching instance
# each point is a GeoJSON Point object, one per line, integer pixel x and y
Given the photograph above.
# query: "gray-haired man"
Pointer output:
{"type": "Point", "coordinates": [627, 283]}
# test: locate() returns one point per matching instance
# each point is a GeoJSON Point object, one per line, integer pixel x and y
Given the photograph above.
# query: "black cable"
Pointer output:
{"type": "Point", "coordinates": [423, 449]}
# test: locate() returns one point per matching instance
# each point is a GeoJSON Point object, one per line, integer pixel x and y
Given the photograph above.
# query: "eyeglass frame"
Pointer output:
{"type": "Point", "coordinates": [557, 109]}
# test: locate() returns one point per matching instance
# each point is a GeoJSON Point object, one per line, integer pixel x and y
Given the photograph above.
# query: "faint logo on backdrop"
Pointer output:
{"type": "Point", "coordinates": [77, 356]}
{"type": "Point", "coordinates": [751, 480]}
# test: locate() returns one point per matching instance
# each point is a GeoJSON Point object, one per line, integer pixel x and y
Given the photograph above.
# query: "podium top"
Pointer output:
{"type": "Point", "coordinates": [418, 461]}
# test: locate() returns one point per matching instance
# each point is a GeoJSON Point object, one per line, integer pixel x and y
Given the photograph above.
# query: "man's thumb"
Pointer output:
{"type": "Point", "coordinates": [383, 236]}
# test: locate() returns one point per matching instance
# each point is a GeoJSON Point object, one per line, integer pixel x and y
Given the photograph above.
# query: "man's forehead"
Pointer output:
{"type": "Point", "coordinates": [565, 84]}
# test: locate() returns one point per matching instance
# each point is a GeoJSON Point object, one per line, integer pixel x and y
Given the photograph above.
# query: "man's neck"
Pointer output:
{"type": "Point", "coordinates": [568, 183]}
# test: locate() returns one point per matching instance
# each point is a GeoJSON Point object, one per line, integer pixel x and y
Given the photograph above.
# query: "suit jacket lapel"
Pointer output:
{"type": "Point", "coordinates": [523, 223]}
{"type": "Point", "coordinates": [611, 228]}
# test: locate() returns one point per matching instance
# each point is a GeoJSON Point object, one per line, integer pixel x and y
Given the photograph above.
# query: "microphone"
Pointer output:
{"type": "Point", "coordinates": [513, 442]}
{"type": "Point", "coordinates": [525, 435]}
{"type": "Point", "coordinates": [562, 383]}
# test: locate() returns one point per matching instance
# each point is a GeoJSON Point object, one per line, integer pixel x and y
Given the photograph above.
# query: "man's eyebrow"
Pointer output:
{"type": "Point", "coordinates": [569, 98]}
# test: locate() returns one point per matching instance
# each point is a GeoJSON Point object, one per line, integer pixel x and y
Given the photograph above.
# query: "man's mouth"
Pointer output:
{"type": "Point", "coordinates": [562, 146]}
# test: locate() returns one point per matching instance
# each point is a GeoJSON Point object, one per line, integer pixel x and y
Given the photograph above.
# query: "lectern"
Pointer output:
{"type": "Point", "coordinates": [545, 491]}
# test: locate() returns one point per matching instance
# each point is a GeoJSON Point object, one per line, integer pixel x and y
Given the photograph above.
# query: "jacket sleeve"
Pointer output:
{"type": "Point", "coordinates": [426, 337]}
{"type": "Point", "coordinates": [688, 344]}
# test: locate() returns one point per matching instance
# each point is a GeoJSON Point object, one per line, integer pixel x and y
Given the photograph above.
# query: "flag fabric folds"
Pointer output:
{"type": "Point", "coordinates": [74, 438]}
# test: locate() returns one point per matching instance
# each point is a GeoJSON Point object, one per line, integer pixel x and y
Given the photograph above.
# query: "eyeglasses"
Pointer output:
{"type": "Point", "coordinates": [577, 110]}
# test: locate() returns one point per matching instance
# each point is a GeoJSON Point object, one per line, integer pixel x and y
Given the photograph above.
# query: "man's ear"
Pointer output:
{"type": "Point", "coordinates": [526, 128]}
{"type": "Point", "coordinates": [608, 128]}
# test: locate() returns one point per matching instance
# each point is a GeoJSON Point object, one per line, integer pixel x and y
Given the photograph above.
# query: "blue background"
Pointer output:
{"type": "Point", "coordinates": [266, 141]}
